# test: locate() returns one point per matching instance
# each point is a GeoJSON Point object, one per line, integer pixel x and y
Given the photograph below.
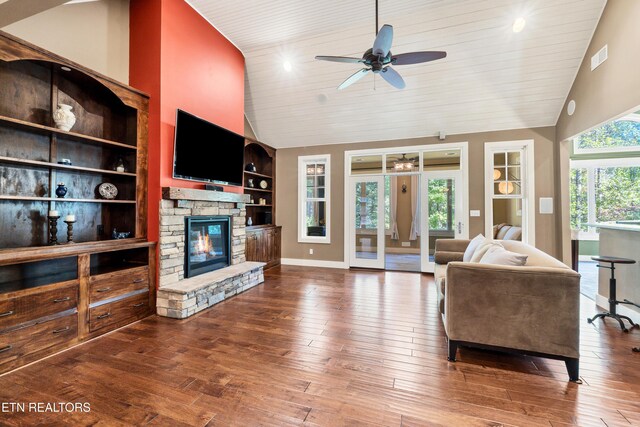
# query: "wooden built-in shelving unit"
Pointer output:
{"type": "Point", "coordinates": [55, 296]}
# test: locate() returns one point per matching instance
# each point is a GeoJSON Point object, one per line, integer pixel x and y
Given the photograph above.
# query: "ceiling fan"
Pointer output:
{"type": "Point", "coordinates": [379, 59]}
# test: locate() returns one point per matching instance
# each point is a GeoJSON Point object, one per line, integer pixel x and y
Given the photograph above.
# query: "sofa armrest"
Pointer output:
{"type": "Point", "coordinates": [452, 245]}
{"type": "Point", "coordinates": [526, 308]}
{"type": "Point", "coordinates": [445, 257]}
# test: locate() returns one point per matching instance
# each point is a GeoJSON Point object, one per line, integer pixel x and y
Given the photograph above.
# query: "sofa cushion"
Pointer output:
{"type": "Point", "coordinates": [473, 245]}
{"type": "Point", "coordinates": [536, 257]}
{"type": "Point", "coordinates": [514, 233]}
{"type": "Point", "coordinates": [501, 256]}
{"type": "Point", "coordinates": [482, 249]}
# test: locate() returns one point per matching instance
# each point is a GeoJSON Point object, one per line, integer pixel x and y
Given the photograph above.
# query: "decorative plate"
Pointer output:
{"type": "Point", "coordinates": [108, 190]}
{"type": "Point", "coordinates": [264, 184]}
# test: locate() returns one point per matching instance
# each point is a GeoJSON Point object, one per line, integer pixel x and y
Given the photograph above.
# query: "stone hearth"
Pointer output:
{"type": "Point", "coordinates": [179, 297]}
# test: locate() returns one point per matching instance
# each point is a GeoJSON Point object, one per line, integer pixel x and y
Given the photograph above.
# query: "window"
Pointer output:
{"type": "Point", "coordinates": [313, 185]}
{"type": "Point", "coordinates": [620, 135]}
{"type": "Point", "coordinates": [510, 204]}
{"type": "Point", "coordinates": [603, 190]}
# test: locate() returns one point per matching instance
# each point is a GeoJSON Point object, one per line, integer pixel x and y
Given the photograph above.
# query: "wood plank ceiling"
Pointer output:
{"type": "Point", "coordinates": [492, 78]}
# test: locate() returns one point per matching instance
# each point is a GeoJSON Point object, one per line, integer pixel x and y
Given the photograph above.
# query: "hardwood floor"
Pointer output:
{"type": "Point", "coordinates": [325, 347]}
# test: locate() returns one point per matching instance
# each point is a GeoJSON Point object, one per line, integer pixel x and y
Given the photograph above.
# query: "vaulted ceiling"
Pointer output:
{"type": "Point", "coordinates": [492, 78]}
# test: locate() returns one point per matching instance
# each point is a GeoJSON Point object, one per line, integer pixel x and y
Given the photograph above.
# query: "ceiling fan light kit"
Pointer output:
{"type": "Point", "coordinates": [379, 59]}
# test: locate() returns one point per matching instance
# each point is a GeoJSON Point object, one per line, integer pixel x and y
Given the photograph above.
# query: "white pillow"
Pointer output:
{"type": "Point", "coordinates": [482, 249]}
{"type": "Point", "coordinates": [501, 256]}
{"type": "Point", "coordinates": [473, 245]}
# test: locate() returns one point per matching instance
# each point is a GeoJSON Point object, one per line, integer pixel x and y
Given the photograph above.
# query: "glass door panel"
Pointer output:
{"type": "Point", "coordinates": [442, 205]}
{"type": "Point", "coordinates": [367, 222]}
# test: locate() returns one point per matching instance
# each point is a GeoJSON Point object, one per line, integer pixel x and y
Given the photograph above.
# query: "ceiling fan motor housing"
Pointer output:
{"type": "Point", "coordinates": [374, 61]}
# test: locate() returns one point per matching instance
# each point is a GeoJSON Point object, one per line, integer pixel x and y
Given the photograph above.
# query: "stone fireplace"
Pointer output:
{"type": "Point", "coordinates": [192, 224]}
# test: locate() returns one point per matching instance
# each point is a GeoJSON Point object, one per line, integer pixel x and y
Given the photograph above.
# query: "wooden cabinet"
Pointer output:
{"type": "Point", "coordinates": [263, 244]}
{"type": "Point", "coordinates": [52, 295]}
{"type": "Point", "coordinates": [112, 284]}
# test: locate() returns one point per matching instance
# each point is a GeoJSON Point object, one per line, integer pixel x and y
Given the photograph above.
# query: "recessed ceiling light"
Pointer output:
{"type": "Point", "coordinates": [65, 68]}
{"type": "Point", "coordinates": [518, 24]}
{"type": "Point", "coordinates": [287, 66]}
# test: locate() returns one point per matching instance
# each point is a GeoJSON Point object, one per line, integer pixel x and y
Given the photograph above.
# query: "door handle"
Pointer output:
{"type": "Point", "coordinates": [62, 299]}
{"type": "Point", "coordinates": [459, 227]}
{"type": "Point", "coordinates": [103, 316]}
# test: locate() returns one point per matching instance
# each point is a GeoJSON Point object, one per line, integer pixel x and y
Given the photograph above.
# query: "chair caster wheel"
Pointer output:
{"type": "Point", "coordinates": [636, 349]}
{"type": "Point", "coordinates": [589, 321]}
{"type": "Point", "coordinates": [626, 331]}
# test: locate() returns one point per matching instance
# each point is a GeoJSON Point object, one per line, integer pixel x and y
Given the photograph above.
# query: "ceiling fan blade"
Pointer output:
{"type": "Point", "coordinates": [382, 44]}
{"type": "Point", "coordinates": [339, 59]}
{"type": "Point", "coordinates": [354, 78]}
{"type": "Point", "coordinates": [393, 78]}
{"type": "Point", "coordinates": [417, 57]}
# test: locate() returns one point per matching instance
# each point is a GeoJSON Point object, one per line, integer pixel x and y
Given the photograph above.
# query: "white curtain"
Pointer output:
{"type": "Point", "coordinates": [415, 207]}
{"type": "Point", "coordinates": [394, 208]}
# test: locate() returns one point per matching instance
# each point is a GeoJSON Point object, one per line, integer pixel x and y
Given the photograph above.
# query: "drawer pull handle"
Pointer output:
{"type": "Point", "coordinates": [103, 290]}
{"type": "Point", "coordinates": [6, 348]}
{"type": "Point", "coordinates": [7, 313]}
{"type": "Point", "coordinates": [62, 299]}
{"type": "Point", "coordinates": [59, 331]}
{"type": "Point", "coordinates": [140, 304]}
{"type": "Point", "coordinates": [103, 316]}
{"type": "Point", "coordinates": [138, 281]}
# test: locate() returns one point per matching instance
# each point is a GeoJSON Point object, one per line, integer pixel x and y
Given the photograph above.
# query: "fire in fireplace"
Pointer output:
{"type": "Point", "coordinates": [207, 244]}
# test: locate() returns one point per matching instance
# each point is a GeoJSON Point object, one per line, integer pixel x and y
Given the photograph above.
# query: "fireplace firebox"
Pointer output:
{"type": "Point", "coordinates": [207, 244]}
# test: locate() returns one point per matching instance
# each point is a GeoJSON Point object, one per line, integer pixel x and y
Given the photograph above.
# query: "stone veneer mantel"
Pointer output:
{"type": "Point", "coordinates": [176, 193]}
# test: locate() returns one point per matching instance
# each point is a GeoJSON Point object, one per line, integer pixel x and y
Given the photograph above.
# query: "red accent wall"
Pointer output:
{"type": "Point", "coordinates": [183, 62]}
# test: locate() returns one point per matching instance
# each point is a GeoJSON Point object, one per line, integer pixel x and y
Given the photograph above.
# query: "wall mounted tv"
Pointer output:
{"type": "Point", "coordinates": [206, 152]}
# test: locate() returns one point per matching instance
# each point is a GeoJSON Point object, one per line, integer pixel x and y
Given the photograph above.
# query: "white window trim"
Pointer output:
{"type": "Point", "coordinates": [590, 166]}
{"type": "Point", "coordinates": [302, 198]}
{"type": "Point", "coordinates": [528, 190]}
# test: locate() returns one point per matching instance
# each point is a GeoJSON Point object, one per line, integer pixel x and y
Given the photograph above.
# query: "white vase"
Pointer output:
{"type": "Point", "coordinates": [63, 117]}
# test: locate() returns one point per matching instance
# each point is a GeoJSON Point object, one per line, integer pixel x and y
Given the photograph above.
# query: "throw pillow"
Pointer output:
{"type": "Point", "coordinates": [473, 245]}
{"type": "Point", "coordinates": [501, 256]}
{"type": "Point", "coordinates": [482, 249]}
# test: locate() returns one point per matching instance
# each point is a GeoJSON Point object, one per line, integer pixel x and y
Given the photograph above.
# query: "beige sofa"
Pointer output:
{"type": "Point", "coordinates": [532, 309]}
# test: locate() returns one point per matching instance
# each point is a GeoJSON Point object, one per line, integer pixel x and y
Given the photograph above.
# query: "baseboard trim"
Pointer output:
{"type": "Point", "coordinates": [603, 302]}
{"type": "Point", "coordinates": [314, 263]}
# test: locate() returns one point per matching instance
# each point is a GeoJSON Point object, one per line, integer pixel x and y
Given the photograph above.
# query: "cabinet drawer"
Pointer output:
{"type": "Point", "coordinates": [24, 345]}
{"type": "Point", "coordinates": [20, 309]}
{"type": "Point", "coordinates": [118, 313]}
{"type": "Point", "coordinates": [105, 286]}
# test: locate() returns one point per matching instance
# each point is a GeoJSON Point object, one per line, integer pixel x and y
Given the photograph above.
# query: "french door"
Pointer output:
{"type": "Point", "coordinates": [366, 225]}
{"type": "Point", "coordinates": [442, 209]}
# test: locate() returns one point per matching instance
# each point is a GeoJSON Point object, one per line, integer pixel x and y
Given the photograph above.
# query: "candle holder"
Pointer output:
{"type": "Point", "coordinates": [53, 230]}
{"type": "Point", "coordinates": [69, 231]}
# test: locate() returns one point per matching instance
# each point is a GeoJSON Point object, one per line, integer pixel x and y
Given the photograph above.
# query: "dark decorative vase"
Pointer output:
{"type": "Point", "coordinates": [61, 191]}
{"type": "Point", "coordinates": [250, 167]}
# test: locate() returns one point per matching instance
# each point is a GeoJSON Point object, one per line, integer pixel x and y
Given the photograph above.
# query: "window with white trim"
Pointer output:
{"type": "Point", "coordinates": [510, 203]}
{"type": "Point", "coordinates": [314, 183]}
{"type": "Point", "coordinates": [603, 190]}
{"type": "Point", "coordinates": [617, 136]}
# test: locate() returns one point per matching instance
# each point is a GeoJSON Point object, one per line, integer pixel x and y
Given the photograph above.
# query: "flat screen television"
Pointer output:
{"type": "Point", "coordinates": [206, 152]}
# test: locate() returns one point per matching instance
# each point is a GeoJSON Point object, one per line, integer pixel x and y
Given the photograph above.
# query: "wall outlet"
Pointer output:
{"type": "Point", "coordinates": [406, 244]}
{"type": "Point", "coordinates": [474, 212]}
{"type": "Point", "coordinates": [310, 251]}
{"type": "Point", "coordinates": [100, 229]}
